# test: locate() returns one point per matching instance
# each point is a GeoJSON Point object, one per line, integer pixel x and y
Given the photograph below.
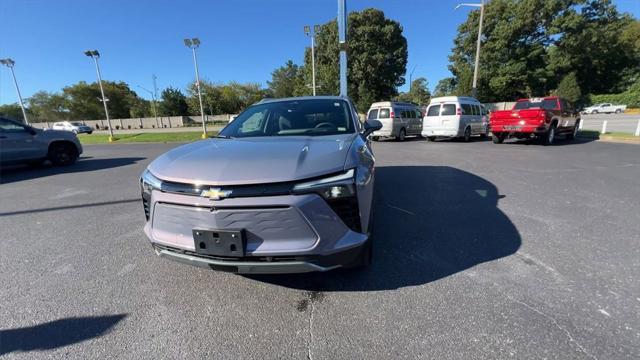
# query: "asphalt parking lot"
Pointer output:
{"type": "Point", "coordinates": [482, 251]}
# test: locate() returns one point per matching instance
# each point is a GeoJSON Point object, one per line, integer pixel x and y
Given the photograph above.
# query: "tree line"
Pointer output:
{"type": "Point", "coordinates": [530, 48]}
{"type": "Point", "coordinates": [572, 48]}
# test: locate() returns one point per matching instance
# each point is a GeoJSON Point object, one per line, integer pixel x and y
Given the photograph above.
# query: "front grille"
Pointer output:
{"type": "Point", "coordinates": [348, 211]}
{"type": "Point", "coordinates": [145, 205]}
{"type": "Point", "coordinates": [235, 259]}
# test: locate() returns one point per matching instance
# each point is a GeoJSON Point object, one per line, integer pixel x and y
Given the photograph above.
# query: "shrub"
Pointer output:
{"type": "Point", "coordinates": [631, 97]}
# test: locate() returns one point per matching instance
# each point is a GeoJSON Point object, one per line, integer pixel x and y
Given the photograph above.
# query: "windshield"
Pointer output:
{"type": "Point", "coordinates": [547, 104]}
{"type": "Point", "coordinates": [311, 117]}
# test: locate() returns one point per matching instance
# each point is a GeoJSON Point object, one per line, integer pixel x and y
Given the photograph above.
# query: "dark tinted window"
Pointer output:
{"type": "Point", "coordinates": [10, 126]}
{"type": "Point", "coordinates": [295, 117]}
{"type": "Point", "coordinates": [384, 114]}
{"type": "Point", "coordinates": [448, 109]}
{"type": "Point", "coordinates": [466, 109]}
{"type": "Point", "coordinates": [373, 114]}
{"type": "Point", "coordinates": [548, 104]}
{"type": "Point", "coordinates": [434, 110]}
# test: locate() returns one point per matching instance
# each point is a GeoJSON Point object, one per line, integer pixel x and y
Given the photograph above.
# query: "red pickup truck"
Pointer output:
{"type": "Point", "coordinates": [542, 118]}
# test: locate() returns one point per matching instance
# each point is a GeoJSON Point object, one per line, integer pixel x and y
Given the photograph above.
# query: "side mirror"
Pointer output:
{"type": "Point", "coordinates": [370, 126]}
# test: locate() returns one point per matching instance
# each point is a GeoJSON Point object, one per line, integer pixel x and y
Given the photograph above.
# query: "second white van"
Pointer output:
{"type": "Point", "coordinates": [455, 117]}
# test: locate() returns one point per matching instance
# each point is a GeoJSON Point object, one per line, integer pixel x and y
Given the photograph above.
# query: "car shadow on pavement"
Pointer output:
{"type": "Point", "coordinates": [430, 222]}
{"type": "Point", "coordinates": [55, 334]}
{"type": "Point", "coordinates": [24, 172]}
{"type": "Point", "coordinates": [556, 142]}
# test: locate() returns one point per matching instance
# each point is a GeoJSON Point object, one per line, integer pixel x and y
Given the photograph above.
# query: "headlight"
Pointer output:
{"type": "Point", "coordinates": [333, 187]}
{"type": "Point", "coordinates": [148, 182]}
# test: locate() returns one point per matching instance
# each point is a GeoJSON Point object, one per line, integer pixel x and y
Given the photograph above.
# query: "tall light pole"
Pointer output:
{"type": "Point", "coordinates": [411, 77]}
{"type": "Point", "coordinates": [312, 33]}
{"type": "Point", "coordinates": [10, 63]}
{"type": "Point", "coordinates": [342, 43]}
{"type": "Point", "coordinates": [474, 89]}
{"type": "Point", "coordinates": [95, 55]}
{"type": "Point", "coordinates": [153, 103]}
{"type": "Point", "coordinates": [193, 44]}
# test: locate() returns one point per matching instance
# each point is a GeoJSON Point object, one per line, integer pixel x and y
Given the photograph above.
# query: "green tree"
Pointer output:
{"type": "Point", "coordinates": [83, 100]}
{"type": "Point", "coordinates": [48, 106]}
{"type": "Point", "coordinates": [377, 59]}
{"type": "Point", "coordinates": [12, 111]}
{"type": "Point", "coordinates": [445, 87]}
{"type": "Point", "coordinates": [284, 80]}
{"type": "Point", "coordinates": [569, 88]}
{"type": "Point", "coordinates": [418, 93]}
{"type": "Point", "coordinates": [173, 103]}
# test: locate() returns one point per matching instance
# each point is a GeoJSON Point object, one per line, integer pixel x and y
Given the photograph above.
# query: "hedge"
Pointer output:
{"type": "Point", "coordinates": [631, 97]}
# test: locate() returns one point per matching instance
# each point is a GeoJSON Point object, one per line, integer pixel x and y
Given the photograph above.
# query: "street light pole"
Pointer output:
{"type": "Point", "coordinates": [10, 63]}
{"type": "Point", "coordinates": [312, 33]}
{"type": "Point", "coordinates": [474, 89]}
{"type": "Point", "coordinates": [95, 55]}
{"type": "Point", "coordinates": [153, 103]}
{"type": "Point", "coordinates": [193, 44]}
{"type": "Point", "coordinates": [342, 43]}
{"type": "Point", "coordinates": [411, 77]}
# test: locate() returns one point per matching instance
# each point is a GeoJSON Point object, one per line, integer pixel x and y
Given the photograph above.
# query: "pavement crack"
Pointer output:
{"type": "Point", "coordinates": [556, 324]}
{"type": "Point", "coordinates": [310, 339]}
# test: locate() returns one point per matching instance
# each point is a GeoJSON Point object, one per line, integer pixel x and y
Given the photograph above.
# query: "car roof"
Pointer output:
{"type": "Point", "coordinates": [272, 100]}
{"type": "Point", "coordinates": [453, 99]}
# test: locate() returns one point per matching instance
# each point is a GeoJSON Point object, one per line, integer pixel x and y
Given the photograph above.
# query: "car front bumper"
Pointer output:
{"type": "Point", "coordinates": [284, 234]}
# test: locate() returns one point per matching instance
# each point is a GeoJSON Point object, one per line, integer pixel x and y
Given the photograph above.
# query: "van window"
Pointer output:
{"type": "Point", "coordinates": [384, 114]}
{"type": "Point", "coordinates": [434, 110]}
{"type": "Point", "coordinates": [448, 109]}
{"type": "Point", "coordinates": [403, 114]}
{"type": "Point", "coordinates": [466, 109]}
{"type": "Point", "coordinates": [476, 109]}
{"type": "Point", "coordinates": [373, 114]}
{"type": "Point", "coordinates": [414, 114]}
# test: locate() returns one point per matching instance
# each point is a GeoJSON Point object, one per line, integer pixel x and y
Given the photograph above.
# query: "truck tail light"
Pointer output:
{"type": "Point", "coordinates": [393, 115]}
{"type": "Point", "coordinates": [458, 111]}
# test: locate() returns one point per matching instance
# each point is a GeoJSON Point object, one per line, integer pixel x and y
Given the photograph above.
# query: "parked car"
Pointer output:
{"type": "Point", "coordinates": [75, 127]}
{"type": "Point", "coordinates": [605, 108]}
{"type": "Point", "coordinates": [286, 187]}
{"type": "Point", "coordinates": [455, 117]}
{"type": "Point", "coordinates": [399, 119]}
{"type": "Point", "coordinates": [20, 143]}
{"type": "Point", "coordinates": [542, 118]}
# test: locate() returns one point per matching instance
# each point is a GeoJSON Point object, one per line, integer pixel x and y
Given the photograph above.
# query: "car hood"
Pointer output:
{"type": "Point", "coordinates": [253, 160]}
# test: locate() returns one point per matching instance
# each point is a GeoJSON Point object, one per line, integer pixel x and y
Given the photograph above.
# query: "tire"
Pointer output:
{"type": "Point", "coordinates": [594, 111]}
{"type": "Point", "coordinates": [467, 134]}
{"type": "Point", "coordinates": [63, 153]}
{"type": "Point", "coordinates": [402, 135]}
{"type": "Point", "coordinates": [497, 138]}
{"type": "Point", "coordinates": [549, 136]}
{"type": "Point", "coordinates": [89, 132]}
{"type": "Point", "coordinates": [574, 133]}
{"type": "Point", "coordinates": [375, 138]}
{"type": "Point", "coordinates": [431, 138]}
{"type": "Point", "coordinates": [618, 111]}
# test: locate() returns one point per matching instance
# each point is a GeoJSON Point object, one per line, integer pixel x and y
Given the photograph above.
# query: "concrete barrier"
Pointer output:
{"type": "Point", "coordinates": [162, 122]}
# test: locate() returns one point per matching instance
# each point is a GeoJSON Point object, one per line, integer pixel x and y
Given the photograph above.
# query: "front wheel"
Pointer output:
{"type": "Point", "coordinates": [431, 138]}
{"type": "Point", "coordinates": [574, 133]}
{"type": "Point", "coordinates": [497, 138]}
{"type": "Point", "coordinates": [63, 154]}
{"type": "Point", "coordinates": [618, 111]}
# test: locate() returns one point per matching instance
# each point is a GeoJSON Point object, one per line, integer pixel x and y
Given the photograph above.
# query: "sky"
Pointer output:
{"type": "Point", "coordinates": [242, 40]}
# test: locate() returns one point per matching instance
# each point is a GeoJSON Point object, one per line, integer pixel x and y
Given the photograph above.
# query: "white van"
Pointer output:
{"type": "Point", "coordinates": [399, 119]}
{"type": "Point", "coordinates": [453, 117]}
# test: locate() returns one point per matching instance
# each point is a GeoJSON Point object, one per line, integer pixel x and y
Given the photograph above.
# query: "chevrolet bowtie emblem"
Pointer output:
{"type": "Point", "coordinates": [215, 193]}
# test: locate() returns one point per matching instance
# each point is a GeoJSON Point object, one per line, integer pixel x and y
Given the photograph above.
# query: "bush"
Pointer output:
{"type": "Point", "coordinates": [631, 97]}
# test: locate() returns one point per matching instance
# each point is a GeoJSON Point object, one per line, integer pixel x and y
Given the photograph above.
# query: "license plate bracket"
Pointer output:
{"type": "Point", "coordinates": [513, 128]}
{"type": "Point", "coordinates": [219, 242]}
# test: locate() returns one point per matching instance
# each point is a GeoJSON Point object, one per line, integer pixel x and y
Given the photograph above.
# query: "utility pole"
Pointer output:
{"type": "Point", "coordinates": [193, 44]}
{"type": "Point", "coordinates": [95, 55]}
{"type": "Point", "coordinates": [10, 63]}
{"type": "Point", "coordinates": [411, 77]}
{"type": "Point", "coordinates": [312, 33]}
{"type": "Point", "coordinates": [342, 43]}
{"type": "Point", "coordinates": [474, 89]}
